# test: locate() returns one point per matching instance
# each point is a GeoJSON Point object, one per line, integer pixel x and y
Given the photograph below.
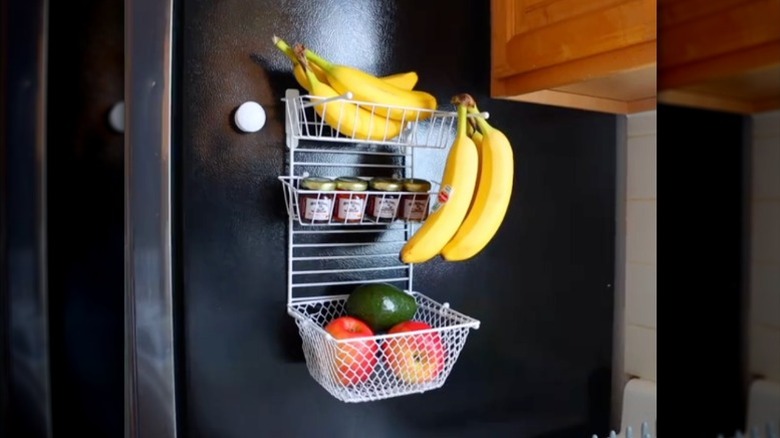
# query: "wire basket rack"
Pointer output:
{"type": "Point", "coordinates": [327, 259]}
{"type": "Point", "coordinates": [381, 366]}
{"type": "Point", "coordinates": [416, 127]}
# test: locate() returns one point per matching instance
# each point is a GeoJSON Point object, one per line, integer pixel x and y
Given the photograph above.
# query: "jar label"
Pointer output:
{"type": "Point", "coordinates": [351, 209]}
{"type": "Point", "coordinates": [385, 208]}
{"type": "Point", "coordinates": [415, 209]}
{"type": "Point", "coordinates": [318, 209]}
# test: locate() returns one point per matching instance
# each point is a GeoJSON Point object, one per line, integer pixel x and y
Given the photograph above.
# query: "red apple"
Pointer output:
{"type": "Point", "coordinates": [417, 358]}
{"type": "Point", "coordinates": [355, 360]}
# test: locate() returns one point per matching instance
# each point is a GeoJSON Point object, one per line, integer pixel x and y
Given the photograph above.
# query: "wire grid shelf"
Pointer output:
{"type": "Point", "coordinates": [318, 208]}
{"type": "Point", "coordinates": [380, 366]}
{"type": "Point", "coordinates": [415, 126]}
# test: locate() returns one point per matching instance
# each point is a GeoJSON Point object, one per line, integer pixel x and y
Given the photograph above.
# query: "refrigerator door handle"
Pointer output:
{"type": "Point", "coordinates": [150, 396]}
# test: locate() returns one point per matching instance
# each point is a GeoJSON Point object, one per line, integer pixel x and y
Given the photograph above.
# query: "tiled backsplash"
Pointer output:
{"type": "Point", "coordinates": [640, 268]}
{"type": "Point", "coordinates": [765, 247]}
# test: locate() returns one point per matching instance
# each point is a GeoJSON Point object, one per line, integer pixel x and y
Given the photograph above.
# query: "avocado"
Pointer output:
{"type": "Point", "coordinates": [381, 305]}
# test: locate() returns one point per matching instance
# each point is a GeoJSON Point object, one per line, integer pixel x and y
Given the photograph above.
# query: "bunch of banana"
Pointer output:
{"type": "Point", "coordinates": [345, 116]}
{"type": "Point", "coordinates": [457, 189]}
{"type": "Point", "coordinates": [392, 101]}
{"type": "Point", "coordinates": [492, 196]}
{"type": "Point", "coordinates": [461, 232]}
{"type": "Point", "coordinates": [405, 81]}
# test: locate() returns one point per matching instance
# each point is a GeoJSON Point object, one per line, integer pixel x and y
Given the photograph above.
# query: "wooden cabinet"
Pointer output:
{"type": "Point", "coordinates": [720, 54]}
{"type": "Point", "coordinates": [591, 54]}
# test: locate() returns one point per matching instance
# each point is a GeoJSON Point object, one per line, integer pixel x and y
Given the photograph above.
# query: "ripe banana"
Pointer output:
{"type": "Point", "coordinates": [406, 80]}
{"type": "Point", "coordinates": [492, 196]}
{"type": "Point", "coordinates": [457, 188]}
{"type": "Point", "coordinates": [414, 105]}
{"type": "Point", "coordinates": [345, 116]}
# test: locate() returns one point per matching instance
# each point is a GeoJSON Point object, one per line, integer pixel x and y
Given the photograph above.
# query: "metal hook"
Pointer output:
{"type": "Point", "coordinates": [348, 96]}
{"type": "Point", "coordinates": [484, 114]}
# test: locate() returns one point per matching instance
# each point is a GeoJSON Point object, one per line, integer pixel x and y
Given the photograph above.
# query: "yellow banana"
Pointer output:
{"type": "Point", "coordinates": [457, 188]}
{"type": "Point", "coordinates": [348, 118]}
{"type": "Point", "coordinates": [414, 105]}
{"type": "Point", "coordinates": [406, 80]}
{"type": "Point", "coordinates": [492, 196]}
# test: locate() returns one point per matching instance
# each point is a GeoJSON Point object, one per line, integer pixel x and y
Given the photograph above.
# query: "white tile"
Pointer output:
{"type": "Point", "coordinates": [641, 231]}
{"type": "Point", "coordinates": [641, 167]}
{"type": "Point", "coordinates": [766, 168]}
{"type": "Point", "coordinates": [764, 345]}
{"type": "Point", "coordinates": [641, 123]}
{"type": "Point", "coordinates": [641, 295]}
{"type": "Point", "coordinates": [765, 232]}
{"type": "Point", "coordinates": [765, 294]}
{"type": "Point", "coordinates": [766, 125]}
{"type": "Point", "coordinates": [640, 354]}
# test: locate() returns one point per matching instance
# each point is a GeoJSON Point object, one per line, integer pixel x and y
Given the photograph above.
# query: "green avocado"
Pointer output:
{"type": "Point", "coordinates": [381, 305]}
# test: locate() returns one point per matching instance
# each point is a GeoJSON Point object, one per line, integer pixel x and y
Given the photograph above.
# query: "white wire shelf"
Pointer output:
{"type": "Point", "coordinates": [320, 208]}
{"type": "Point", "coordinates": [417, 127]}
{"type": "Point", "coordinates": [331, 251]}
{"type": "Point", "coordinates": [384, 365]}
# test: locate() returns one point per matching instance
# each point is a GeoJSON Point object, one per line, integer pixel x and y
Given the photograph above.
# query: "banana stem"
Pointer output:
{"type": "Point", "coordinates": [299, 55]}
{"type": "Point", "coordinates": [317, 59]}
{"type": "Point", "coordinates": [472, 125]}
{"type": "Point", "coordinates": [461, 120]}
{"type": "Point", "coordinates": [285, 48]}
{"type": "Point", "coordinates": [481, 122]}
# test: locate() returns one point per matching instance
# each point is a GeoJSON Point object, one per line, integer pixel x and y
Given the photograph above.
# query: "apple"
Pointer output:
{"type": "Point", "coordinates": [354, 360]}
{"type": "Point", "coordinates": [414, 358]}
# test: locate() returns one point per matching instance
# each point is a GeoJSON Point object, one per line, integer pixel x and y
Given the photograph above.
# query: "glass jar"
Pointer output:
{"type": "Point", "coordinates": [414, 206]}
{"type": "Point", "coordinates": [350, 207]}
{"type": "Point", "coordinates": [384, 207]}
{"type": "Point", "coordinates": [316, 208]}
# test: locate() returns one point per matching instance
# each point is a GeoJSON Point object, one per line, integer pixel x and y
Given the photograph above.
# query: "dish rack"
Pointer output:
{"type": "Point", "coordinates": [328, 259]}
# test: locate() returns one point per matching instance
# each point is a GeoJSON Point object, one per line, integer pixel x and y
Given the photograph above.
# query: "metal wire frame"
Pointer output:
{"type": "Point", "coordinates": [331, 255]}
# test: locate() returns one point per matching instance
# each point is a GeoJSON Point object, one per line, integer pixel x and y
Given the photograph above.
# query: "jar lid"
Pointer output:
{"type": "Point", "coordinates": [386, 184]}
{"type": "Point", "coordinates": [416, 185]}
{"type": "Point", "coordinates": [315, 183]}
{"type": "Point", "coordinates": [351, 184]}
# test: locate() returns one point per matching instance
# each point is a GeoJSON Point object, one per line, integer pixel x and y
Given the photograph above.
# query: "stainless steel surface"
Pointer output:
{"type": "Point", "coordinates": [149, 380]}
{"type": "Point", "coordinates": [26, 404]}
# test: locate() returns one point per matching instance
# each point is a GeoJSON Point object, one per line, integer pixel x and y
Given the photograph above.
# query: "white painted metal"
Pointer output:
{"type": "Point", "coordinates": [336, 256]}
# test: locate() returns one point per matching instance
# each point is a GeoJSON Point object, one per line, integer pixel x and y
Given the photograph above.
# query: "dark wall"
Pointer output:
{"type": "Point", "coordinates": [540, 364]}
{"type": "Point", "coordinates": [700, 257]}
{"type": "Point", "coordinates": [86, 217]}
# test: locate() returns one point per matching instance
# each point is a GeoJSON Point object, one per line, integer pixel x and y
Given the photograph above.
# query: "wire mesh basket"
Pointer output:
{"type": "Point", "coordinates": [364, 122]}
{"type": "Point", "coordinates": [384, 365]}
{"type": "Point", "coordinates": [315, 207]}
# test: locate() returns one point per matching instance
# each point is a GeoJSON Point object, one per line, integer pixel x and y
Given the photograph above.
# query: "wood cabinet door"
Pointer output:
{"type": "Point", "coordinates": [582, 38]}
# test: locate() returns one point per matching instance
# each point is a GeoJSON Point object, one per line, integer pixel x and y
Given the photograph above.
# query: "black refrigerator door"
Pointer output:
{"type": "Point", "coordinates": [539, 366]}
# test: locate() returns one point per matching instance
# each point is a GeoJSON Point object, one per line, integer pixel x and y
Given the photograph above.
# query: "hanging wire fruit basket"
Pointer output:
{"type": "Point", "coordinates": [330, 256]}
{"type": "Point", "coordinates": [381, 366]}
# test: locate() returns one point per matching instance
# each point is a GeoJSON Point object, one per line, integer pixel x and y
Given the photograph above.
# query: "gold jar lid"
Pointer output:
{"type": "Point", "coordinates": [351, 184]}
{"type": "Point", "coordinates": [386, 184]}
{"type": "Point", "coordinates": [416, 185]}
{"type": "Point", "coordinates": [315, 183]}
